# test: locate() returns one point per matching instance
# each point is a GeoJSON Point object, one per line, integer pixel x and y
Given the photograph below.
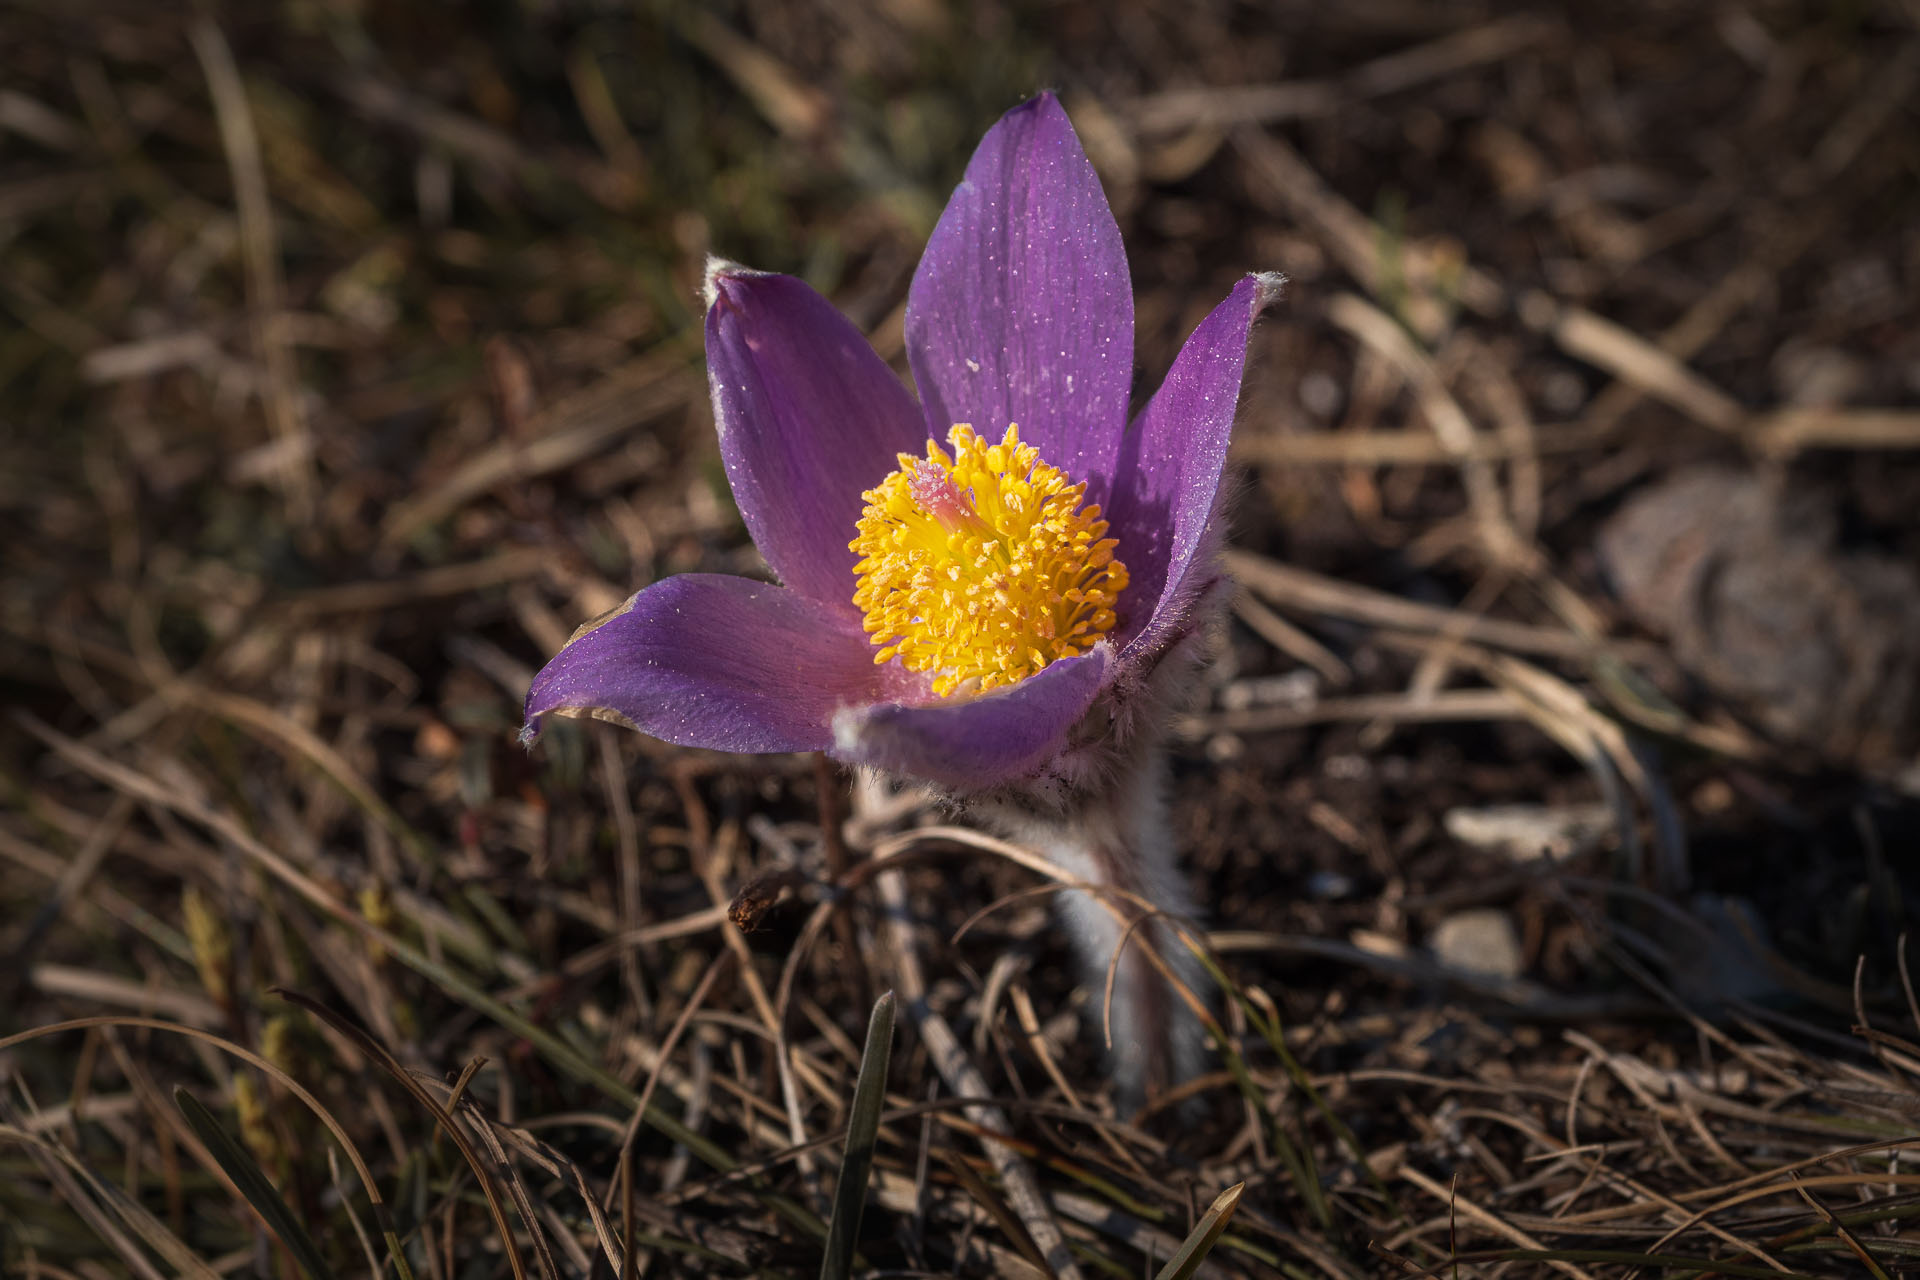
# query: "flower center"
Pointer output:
{"type": "Point", "coordinates": [982, 567]}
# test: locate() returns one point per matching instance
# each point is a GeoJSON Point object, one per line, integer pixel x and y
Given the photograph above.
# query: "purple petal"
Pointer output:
{"type": "Point", "coordinates": [707, 660]}
{"type": "Point", "coordinates": [1169, 471]}
{"type": "Point", "coordinates": [809, 418]}
{"type": "Point", "coordinates": [1021, 310]}
{"type": "Point", "coordinates": [972, 743]}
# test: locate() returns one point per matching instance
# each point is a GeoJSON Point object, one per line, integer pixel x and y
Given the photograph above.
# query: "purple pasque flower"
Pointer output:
{"type": "Point", "coordinates": [1020, 313]}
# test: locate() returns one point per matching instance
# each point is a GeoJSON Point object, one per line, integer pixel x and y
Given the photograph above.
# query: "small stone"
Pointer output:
{"type": "Point", "coordinates": [1225, 748]}
{"type": "Point", "coordinates": [1481, 940]}
{"type": "Point", "coordinates": [1525, 832]}
{"type": "Point", "coordinates": [1326, 886]}
{"type": "Point", "coordinates": [1563, 392]}
{"type": "Point", "coordinates": [1347, 767]}
{"type": "Point", "coordinates": [1817, 643]}
{"type": "Point", "coordinates": [1320, 395]}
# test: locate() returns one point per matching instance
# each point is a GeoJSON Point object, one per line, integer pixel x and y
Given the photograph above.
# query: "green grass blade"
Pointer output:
{"type": "Point", "coordinates": [254, 1185]}
{"type": "Point", "coordinates": [863, 1125]}
{"type": "Point", "coordinates": [1200, 1241]}
{"type": "Point", "coordinates": [1298, 1159]}
{"type": "Point", "coordinates": [132, 1214]}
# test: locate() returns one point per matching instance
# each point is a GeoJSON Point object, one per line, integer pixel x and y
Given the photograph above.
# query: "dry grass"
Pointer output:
{"type": "Point", "coordinates": [352, 358]}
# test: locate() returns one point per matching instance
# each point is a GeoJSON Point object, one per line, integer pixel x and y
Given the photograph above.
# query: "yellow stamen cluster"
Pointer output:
{"type": "Point", "coordinates": [981, 567]}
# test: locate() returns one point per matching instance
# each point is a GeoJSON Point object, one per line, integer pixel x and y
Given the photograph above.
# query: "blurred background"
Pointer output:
{"type": "Point", "coordinates": [1556, 794]}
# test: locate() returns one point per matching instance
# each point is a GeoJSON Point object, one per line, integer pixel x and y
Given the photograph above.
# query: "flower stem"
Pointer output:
{"type": "Point", "coordinates": [1119, 843]}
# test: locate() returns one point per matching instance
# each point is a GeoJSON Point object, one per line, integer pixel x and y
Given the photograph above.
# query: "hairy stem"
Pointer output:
{"type": "Point", "coordinates": [1119, 843]}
